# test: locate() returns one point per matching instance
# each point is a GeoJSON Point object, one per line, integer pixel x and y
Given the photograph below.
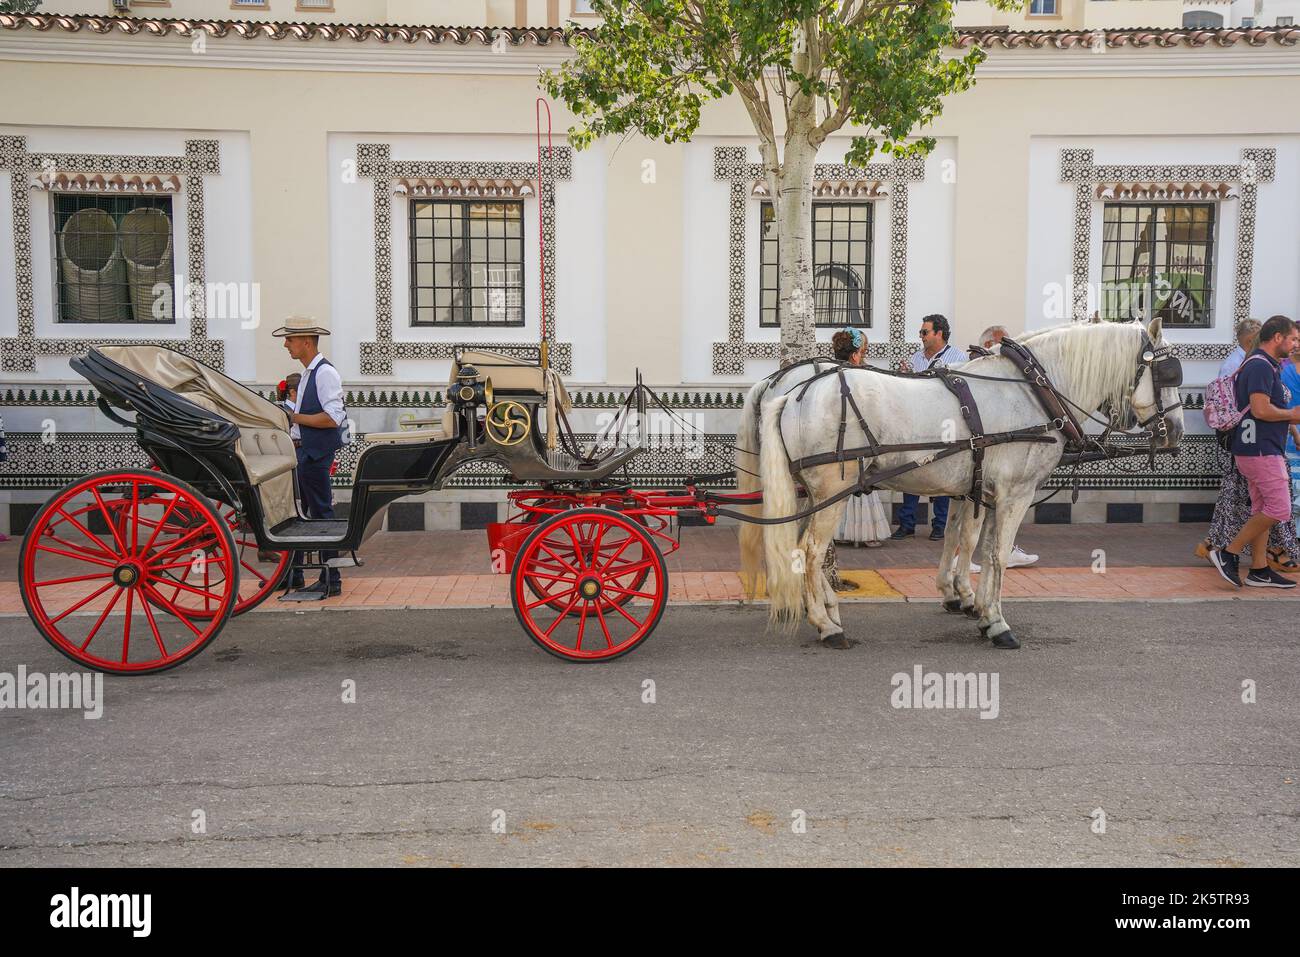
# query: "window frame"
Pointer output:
{"type": "Point", "coordinates": [868, 285]}
{"type": "Point", "coordinates": [467, 307]}
{"type": "Point", "coordinates": [164, 201]}
{"type": "Point", "coordinates": [1210, 246]}
{"type": "Point", "coordinates": [1055, 12]}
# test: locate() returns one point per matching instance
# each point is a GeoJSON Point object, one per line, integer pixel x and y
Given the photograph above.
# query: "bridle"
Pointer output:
{"type": "Point", "coordinates": [1166, 373]}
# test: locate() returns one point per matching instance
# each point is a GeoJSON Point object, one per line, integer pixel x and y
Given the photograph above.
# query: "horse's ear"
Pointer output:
{"type": "Point", "coordinates": [1154, 329]}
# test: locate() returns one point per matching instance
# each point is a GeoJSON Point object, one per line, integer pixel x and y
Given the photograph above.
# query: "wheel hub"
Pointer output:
{"type": "Point", "coordinates": [589, 588]}
{"type": "Point", "coordinates": [127, 575]}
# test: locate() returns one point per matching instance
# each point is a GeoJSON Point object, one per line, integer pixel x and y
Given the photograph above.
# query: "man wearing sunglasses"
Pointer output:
{"type": "Point", "coordinates": [934, 351]}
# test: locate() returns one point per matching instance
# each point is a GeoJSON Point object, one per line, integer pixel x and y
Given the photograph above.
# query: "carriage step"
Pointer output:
{"type": "Point", "coordinates": [345, 561]}
{"type": "Point", "coordinates": [303, 595]}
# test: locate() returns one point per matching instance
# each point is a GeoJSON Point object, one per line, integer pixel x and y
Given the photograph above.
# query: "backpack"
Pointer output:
{"type": "Point", "coordinates": [1221, 412]}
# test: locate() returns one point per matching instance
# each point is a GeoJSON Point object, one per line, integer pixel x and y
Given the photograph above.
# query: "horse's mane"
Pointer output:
{"type": "Point", "coordinates": [1102, 369]}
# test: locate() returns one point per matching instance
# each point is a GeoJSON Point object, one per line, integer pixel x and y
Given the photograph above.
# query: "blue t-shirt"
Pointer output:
{"type": "Point", "coordinates": [1255, 376]}
{"type": "Point", "coordinates": [1291, 379]}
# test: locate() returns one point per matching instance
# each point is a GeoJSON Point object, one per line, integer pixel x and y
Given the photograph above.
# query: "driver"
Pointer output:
{"type": "Point", "coordinates": [318, 418]}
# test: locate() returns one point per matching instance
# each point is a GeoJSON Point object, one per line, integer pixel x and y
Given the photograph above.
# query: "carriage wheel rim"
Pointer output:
{"type": "Point", "coordinates": [604, 614]}
{"type": "Point", "coordinates": [121, 569]}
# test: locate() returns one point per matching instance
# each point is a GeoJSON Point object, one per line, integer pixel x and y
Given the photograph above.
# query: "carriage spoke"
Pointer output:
{"type": "Point", "coordinates": [99, 542]}
{"type": "Point", "coordinates": [100, 620]}
{"type": "Point", "coordinates": [582, 623]}
{"type": "Point", "coordinates": [609, 640]}
{"type": "Point", "coordinates": [74, 578]}
{"type": "Point", "coordinates": [550, 598]}
{"type": "Point", "coordinates": [135, 516]}
{"type": "Point", "coordinates": [260, 576]}
{"type": "Point", "coordinates": [88, 598]}
{"type": "Point", "coordinates": [126, 624]}
{"type": "Point", "coordinates": [159, 527]}
{"type": "Point", "coordinates": [626, 591]}
{"type": "Point", "coordinates": [626, 542]}
{"type": "Point", "coordinates": [148, 613]}
{"type": "Point", "coordinates": [80, 556]}
{"type": "Point", "coordinates": [180, 585]}
{"type": "Point", "coordinates": [170, 607]}
{"type": "Point", "coordinates": [619, 608]}
{"type": "Point", "coordinates": [108, 519]}
{"type": "Point", "coordinates": [572, 601]}
{"type": "Point", "coordinates": [565, 564]}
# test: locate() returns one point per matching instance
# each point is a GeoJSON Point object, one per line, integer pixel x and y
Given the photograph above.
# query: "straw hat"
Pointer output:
{"type": "Point", "coordinates": [301, 326]}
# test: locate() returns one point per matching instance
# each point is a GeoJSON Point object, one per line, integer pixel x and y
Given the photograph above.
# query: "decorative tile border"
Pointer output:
{"type": "Point", "coordinates": [201, 158]}
{"type": "Point", "coordinates": [730, 164]}
{"type": "Point", "coordinates": [1256, 166]}
{"type": "Point", "coordinates": [375, 162]}
{"type": "Point", "coordinates": [34, 464]}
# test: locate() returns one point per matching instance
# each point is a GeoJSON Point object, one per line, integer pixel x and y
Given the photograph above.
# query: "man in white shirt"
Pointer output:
{"type": "Point", "coordinates": [934, 351]}
{"type": "Point", "coordinates": [1247, 330]}
{"type": "Point", "coordinates": [318, 417]}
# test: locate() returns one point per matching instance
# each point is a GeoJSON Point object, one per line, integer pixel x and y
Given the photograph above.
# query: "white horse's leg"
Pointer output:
{"type": "Point", "coordinates": [969, 538]}
{"type": "Point", "coordinates": [999, 535]}
{"type": "Point", "coordinates": [816, 585]}
{"type": "Point", "coordinates": [958, 518]}
{"type": "Point", "coordinates": [824, 523]}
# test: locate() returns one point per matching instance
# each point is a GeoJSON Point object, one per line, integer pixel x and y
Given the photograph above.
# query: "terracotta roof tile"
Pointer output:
{"type": "Point", "coordinates": [988, 38]}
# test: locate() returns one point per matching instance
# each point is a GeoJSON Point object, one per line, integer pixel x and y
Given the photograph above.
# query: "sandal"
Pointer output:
{"type": "Point", "coordinates": [1203, 549]}
{"type": "Point", "coordinates": [1280, 561]}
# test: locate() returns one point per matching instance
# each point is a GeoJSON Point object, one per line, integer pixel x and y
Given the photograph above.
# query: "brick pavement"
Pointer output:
{"type": "Point", "coordinates": [449, 569]}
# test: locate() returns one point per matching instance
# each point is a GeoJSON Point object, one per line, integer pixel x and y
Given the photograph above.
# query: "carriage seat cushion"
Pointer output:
{"type": "Point", "coordinates": [265, 453]}
{"type": "Point", "coordinates": [446, 429]}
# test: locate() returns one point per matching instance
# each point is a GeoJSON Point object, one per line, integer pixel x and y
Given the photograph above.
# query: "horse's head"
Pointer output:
{"type": "Point", "coordinates": [1154, 397]}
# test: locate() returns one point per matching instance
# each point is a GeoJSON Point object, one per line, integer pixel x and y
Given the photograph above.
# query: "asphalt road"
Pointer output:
{"type": "Point", "coordinates": [460, 723]}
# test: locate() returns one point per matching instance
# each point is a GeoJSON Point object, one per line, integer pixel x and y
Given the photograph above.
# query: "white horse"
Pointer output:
{"type": "Point", "coordinates": [1093, 365]}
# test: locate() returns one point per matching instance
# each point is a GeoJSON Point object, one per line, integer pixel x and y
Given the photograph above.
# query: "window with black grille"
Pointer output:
{"type": "Point", "coordinates": [842, 238]}
{"type": "Point", "coordinates": [467, 263]}
{"type": "Point", "coordinates": [114, 258]}
{"type": "Point", "coordinates": [1158, 260]}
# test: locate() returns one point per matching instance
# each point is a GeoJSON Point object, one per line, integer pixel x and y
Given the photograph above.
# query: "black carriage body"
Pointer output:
{"type": "Point", "coordinates": [198, 446]}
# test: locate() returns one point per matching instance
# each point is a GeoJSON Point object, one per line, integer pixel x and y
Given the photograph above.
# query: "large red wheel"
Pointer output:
{"type": "Point", "coordinates": [542, 580]}
{"type": "Point", "coordinates": [606, 573]}
{"type": "Point", "coordinates": [261, 572]}
{"type": "Point", "coordinates": [92, 594]}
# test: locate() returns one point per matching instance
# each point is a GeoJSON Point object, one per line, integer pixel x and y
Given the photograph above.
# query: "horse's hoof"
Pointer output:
{"type": "Point", "coordinates": [953, 605]}
{"type": "Point", "coordinates": [1005, 640]}
{"type": "Point", "coordinates": [838, 641]}
{"type": "Point", "coordinates": [970, 611]}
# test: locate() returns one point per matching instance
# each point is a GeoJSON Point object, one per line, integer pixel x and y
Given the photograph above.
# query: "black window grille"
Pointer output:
{"type": "Point", "coordinates": [467, 263]}
{"type": "Point", "coordinates": [1158, 260]}
{"type": "Point", "coordinates": [842, 253]}
{"type": "Point", "coordinates": [114, 258]}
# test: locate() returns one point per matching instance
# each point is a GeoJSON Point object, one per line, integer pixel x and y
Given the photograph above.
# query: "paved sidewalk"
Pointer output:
{"type": "Point", "coordinates": [1147, 562]}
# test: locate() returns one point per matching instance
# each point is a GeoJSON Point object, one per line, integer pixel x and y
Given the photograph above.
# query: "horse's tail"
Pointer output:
{"type": "Point", "coordinates": [747, 480]}
{"type": "Point", "coordinates": [785, 575]}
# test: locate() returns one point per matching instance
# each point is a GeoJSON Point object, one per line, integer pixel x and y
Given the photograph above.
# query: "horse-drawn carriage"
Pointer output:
{"type": "Point", "coordinates": [135, 570]}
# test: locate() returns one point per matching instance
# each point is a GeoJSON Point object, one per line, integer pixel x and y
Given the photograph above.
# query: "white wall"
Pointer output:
{"type": "Point", "coordinates": [579, 256]}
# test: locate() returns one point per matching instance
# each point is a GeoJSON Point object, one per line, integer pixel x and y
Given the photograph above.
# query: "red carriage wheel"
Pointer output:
{"type": "Point", "coordinates": [547, 585]}
{"type": "Point", "coordinates": [99, 559]}
{"type": "Point", "coordinates": [606, 573]}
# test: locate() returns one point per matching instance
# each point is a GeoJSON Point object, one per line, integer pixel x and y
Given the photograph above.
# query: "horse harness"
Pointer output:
{"type": "Point", "coordinates": [1166, 372]}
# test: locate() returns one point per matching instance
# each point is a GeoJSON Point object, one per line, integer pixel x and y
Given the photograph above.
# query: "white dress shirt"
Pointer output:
{"type": "Point", "coordinates": [329, 391]}
{"type": "Point", "coordinates": [947, 356]}
{"type": "Point", "coordinates": [1230, 365]}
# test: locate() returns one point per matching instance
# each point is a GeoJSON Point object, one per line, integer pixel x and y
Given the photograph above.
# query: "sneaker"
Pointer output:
{"type": "Point", "coordinates": [1226, 564]}
{"type": "Point", "coordinates": [1020, 558]}
{"type": "Point", "coordinates": [936, 535]}
{"type": "Point", "coordinates": [1267, 578]}
{"type": "Point", "coordinates": [902, 532]}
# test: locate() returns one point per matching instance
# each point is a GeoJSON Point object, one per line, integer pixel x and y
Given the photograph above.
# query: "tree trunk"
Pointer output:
{"type": "Point", "coordinates": [793, 207]}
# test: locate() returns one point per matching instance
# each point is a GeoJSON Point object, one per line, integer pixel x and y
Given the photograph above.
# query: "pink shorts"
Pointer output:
{"type": "Point", "coordinates": [1270, 486]}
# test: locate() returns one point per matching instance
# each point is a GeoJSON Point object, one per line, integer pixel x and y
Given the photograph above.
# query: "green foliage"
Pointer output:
{"type": "Point", "coordinates": [880, 64]}
{"type": "Point", "coordinates": [19, 6]}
